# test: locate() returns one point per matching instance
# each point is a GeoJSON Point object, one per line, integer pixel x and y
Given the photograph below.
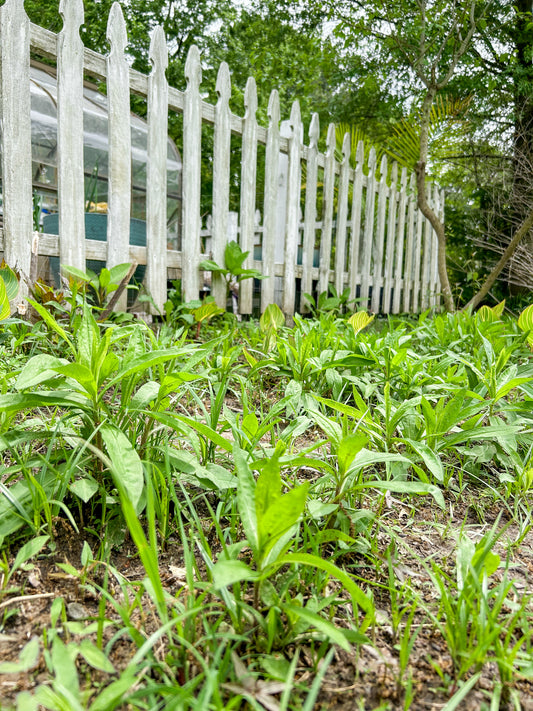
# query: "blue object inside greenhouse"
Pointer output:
{"type": "Point", "coordinates": [96, 228]}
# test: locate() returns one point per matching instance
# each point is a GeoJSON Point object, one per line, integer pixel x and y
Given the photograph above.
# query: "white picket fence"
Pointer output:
{"type": "Point", "coordinates": [371, 237]}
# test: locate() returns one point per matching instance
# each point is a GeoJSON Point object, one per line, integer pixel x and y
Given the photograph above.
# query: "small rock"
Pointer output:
{"type": "Point", "coordinates": [76, 612]}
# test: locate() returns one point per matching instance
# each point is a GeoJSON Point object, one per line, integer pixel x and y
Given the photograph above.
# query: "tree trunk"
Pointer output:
{"type": "Point", "coordinates": [522, 231]}
{"type": "Point", "coordinates": [423, 205]}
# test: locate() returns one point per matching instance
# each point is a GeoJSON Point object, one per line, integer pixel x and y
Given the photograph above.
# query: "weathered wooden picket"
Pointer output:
{"type": "Point", "coordinates": [370, 236]}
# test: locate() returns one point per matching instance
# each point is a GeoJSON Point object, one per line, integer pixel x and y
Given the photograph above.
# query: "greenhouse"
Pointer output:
{"type": "Point", "coordinates": [96, 155]}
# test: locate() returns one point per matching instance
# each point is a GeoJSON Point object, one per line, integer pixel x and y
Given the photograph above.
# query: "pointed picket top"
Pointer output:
{"type": "Point", "coordinates": [383, 168]}
{"type": "Point", "coordinates": [346, 147]}
{"type": "Point", "coordinates": [331, 141]}
{"type": "Point", "coordinates": [223, 85]}
{"type": "Point", "coordinates": [116, 29]}
{"type": "Point", "coordinates": [158, 50]}
{"type": "Point", "coordinates": [314, 131]}
{"type": "Point", "coordinates": [360, 153]}
{"type": "Point", "coordinates": [15, 7]}
{"type": "Point", "coordinates": [372, 160]}
{"type": "Point", "coordinates": [72, 13]}
{"type": "Point", "coordinates": [394, 173]}
{"type": "Point", "coordinates": [250, 98]}
{"type": "Point", "coordinates": [193, 68]}
{"type": "Point", "coordinates": [273, 110]}
{"type": "Point", "coordinates": [403, 179]}
{"type": "Point", "coordinates": [296, 117]}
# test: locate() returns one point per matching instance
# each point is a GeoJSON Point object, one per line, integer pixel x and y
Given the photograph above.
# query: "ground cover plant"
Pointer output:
{"type": "Point", "coordinates": [333, 515]}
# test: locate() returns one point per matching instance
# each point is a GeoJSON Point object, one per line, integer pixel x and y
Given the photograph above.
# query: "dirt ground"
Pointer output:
{"type": "Point", "coordinates": [365, 678]}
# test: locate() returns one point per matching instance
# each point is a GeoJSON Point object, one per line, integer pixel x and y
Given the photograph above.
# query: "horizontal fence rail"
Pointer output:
{"type": "Point", "coordinates": [316, 221]}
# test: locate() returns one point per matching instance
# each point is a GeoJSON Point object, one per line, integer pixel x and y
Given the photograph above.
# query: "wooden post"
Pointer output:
{"type": "Point", "coordinates": [342, 215]}
{"type": "Point", "coordinates": [16, 143]}
{"type": "Point", "coordinates": [392, 238]}
{"type": "Point", "coordinates": [308, 250]}
{"type": "Point", "coordinates": [156, 174]}
{"type": "Point", "coordinates": [357, 198]}
{"type": "Point", "coordinates": [327, 211]}
{"type": "Point", "coordinates": [70, 169]}
{"type": "Point", "coordinates": [377, 252]}
{"type": "Point", "coordinates": [221, 157]}
{"type": "Point", "coordinates": [408, 280]}
{"type": "Point", "coordinates": [293, 213]}
{"type": "Point", "coordinates": [400, 239]}
{"type": "Point", "coordinates": [271, 191]}
{"type": "Point", "coordinates": [119, 192]}
{"type": "Point", "coordinates": [192, 147]}
{"type": "Point", "coordinates": [368, 238]}
{"type": "Point", "coordinates": [248, 178]}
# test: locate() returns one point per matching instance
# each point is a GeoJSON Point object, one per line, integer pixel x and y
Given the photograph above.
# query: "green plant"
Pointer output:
{"type": "Point", "coordinates": [103, 284]}
{"type": "Point", "coordinates": [232, 272]}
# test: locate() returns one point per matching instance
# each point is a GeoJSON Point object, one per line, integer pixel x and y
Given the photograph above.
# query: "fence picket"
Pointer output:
{"type": "Point", "coordinates": [248, 179]}
{"type": "Point", "coordinates": [417, 260]}
{"type": "Point", "coordinates": [221, 156]}
{"type": "Point", "coordinates": [119, 193]}
{"type": "Point", "coordinates": [400, 243]}
{"type": "Point", "coordinates": [391, 240]}
{"type": "Point", "coordinates": [327, 216]}
{"type": "Point", "coordinates": [308, 249]}
{"type": "Point", "coordinates": [16, 144]}
{"type": "Point", "coordinates": [368, 237]}
{"type": "Point", "coordinates": [192, 151]}
{"type": "Point", "coordinates": [293, 212]}
{"type": "Point", "coordinates": [427, 259]}
{"type": "Point", "coordinates": [342, 216]}
{"type": "Point", "coordinates": [377, 276]}
{"type": "Point", "coordinates": [156, 173]}
{"type": "Point", "coordinates": [70, 167]}
{"type": "Point", "coordinates": [434, 287]}
{"type": "Point", "coordinates": [357, 199]}
{"type": "Point", "coordinates": [271, 190]}
{"type": "Point", "coordinates": [408, 280]}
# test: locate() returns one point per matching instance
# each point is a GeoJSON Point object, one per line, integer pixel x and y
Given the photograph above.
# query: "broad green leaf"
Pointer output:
{"type": "Point", "coordinates": [111, 697]}
{"type": "Point", "coordinates": [32, 401]}
{"type": "Point", "coordinates": [11, 281]}
{"type": "Point", "coordinates": [360, 320]}
{"type": "Point", "coordinates": [250, 424]}
{"type": "Point", "coordinates": [95, 657]}
{"type": "Point", "coordinates": [145, 362]}
{"type": "Point", "coordinates": [214, 477]}
{"type": "Point", "coordinates": [268, 487]}
{"type": "Point", "coordinates": [234, 257]}
{"type": "Point", "coordinates": [407, 487]}
{"type": "Point", "coordinates": [126, 463]}
{"type": "Point", "coordinates": [227, 572]}
{"type": "Point", "coordinates": [81, 374]}
{"type": "Point", "coordinates": [28, 659]}
{"type": "Point", "coordinates": [17, 502]}
{"type": "Point", "coordinates": [431, 460]}
{"type": "Point", "coordinates": [37, 370]}
{"type": "Point", "coordinates": [118, 272]}
{"type": "Point", "coordinates": [77, 273]}
{"type": "Point", "coordinates": [84, 488]}
{"type": "Point", "coordinates": [146, 394]}
{"type": "Point", "coordinates": [281, 515]}
{"type": "Point", "coordinates": [246, 498]}
{"type": "Point", "coordinates": [63, 660]}
{"type": "Point", "coordinates": [5, 308]}
{"type": "Point", "coordinates": [334, 634]}
{"type": "Point", "coordinates": [351, 361]}
{"type": "Point", "coordinates": [272, 318]}
{"type": "Point", "coordinates": [208, 265]}
{"type": "Point", "coordinates": [28, 550]}
{"type": "Point", "coordinates": [348, 448]}
{"type": "Point", "coordinates": [52, 323]}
